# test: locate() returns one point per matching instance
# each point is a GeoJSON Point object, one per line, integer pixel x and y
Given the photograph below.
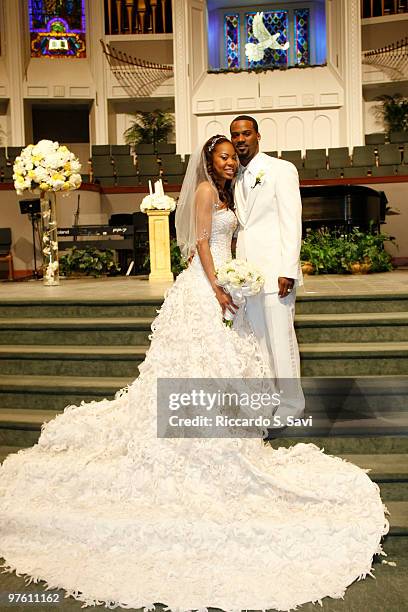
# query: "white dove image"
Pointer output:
{"type": "Point", "coordinates": [256, 51]}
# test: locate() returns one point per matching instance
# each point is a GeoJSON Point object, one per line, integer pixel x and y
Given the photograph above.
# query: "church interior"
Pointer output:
{"type": "Point", "coordinates": [132, 88]}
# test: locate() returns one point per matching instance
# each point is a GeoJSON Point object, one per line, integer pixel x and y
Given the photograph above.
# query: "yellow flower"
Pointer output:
{"type": "Point", "coordinates": [31, 173]}
{"type": "Point", "coordinates": [20, 179]}
{"type": "Point", "coordinates": [67, 166]}
{"type": "Point", "coordinates": [57, 177]}
{"type": "Point", "coordinates": [37, 158]}
{"type": "Point", "coordinates": [63, 149]}
{"type": "Point", "coordinates": [44, 186]}
{"type": "Point", "coordinates": [66, 186]}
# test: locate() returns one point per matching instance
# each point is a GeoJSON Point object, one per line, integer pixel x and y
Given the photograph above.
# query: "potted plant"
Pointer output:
{"type": "Point", "coordinates": [88, 261]}
{"type": "Point", "coordinates": [149, 127]}
{"type": "Point", "coordinates": [366, 252]}
{"type": "Point", "coordinates": [333, 251]}
{"type": "Point", "coordinates": [393, 111]}
{"type": "Point", "coordinates": [321, 249]}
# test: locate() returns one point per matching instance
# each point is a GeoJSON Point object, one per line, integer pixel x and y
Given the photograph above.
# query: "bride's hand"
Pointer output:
{"type": "Point", "coordinates": [225, 300]}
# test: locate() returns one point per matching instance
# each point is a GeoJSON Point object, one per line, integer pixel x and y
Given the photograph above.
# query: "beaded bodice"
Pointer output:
{"type": "Point", "coordinates": [223, 226]}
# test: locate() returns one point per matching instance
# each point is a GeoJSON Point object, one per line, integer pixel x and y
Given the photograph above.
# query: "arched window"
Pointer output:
{"type": "Point", "coordinates": [57, 28]}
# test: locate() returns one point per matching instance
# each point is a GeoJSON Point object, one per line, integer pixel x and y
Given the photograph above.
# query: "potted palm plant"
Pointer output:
{"type": "Point", "coordinates": [393, 111]}
{"type": "Point", "coordinates": [149, 127]}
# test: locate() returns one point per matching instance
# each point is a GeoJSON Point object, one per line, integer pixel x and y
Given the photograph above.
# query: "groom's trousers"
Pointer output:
{"type": "Point", "coordinates": [271, 319]}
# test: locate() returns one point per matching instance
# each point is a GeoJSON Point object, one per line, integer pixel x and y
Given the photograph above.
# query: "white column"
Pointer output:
{"type": "Point", "coordinates": [15, 15]}
{"type": "Point", "coordinates": [96, 31]}
{"type": "Point", "coordinates": [353, 94]}
{"type": "Point", "coordinates": [182, 80]}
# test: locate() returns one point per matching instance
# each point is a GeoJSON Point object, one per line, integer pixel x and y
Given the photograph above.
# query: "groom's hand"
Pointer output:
{"type": "Point", "coordinates": [285, 286]}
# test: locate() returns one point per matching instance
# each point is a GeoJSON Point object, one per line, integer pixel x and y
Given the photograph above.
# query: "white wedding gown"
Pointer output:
{"type": "Point", "coordinates": [107, 511]}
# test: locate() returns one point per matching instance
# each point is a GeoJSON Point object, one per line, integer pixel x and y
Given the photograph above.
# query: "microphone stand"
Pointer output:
{"type": "Point", "coordinates": [76, 219]}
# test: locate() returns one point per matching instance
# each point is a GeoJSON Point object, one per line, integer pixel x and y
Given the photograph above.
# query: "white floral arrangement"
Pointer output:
{"type": "Point", "coordinates": [241, 280]}
{"type": "Point", "coordinates": [157, 200]}
{"type": "Point", "coordinates": [46, 166]}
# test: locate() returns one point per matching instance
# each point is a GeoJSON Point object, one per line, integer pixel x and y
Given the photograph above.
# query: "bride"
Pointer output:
{"type": "Point", "coordinates": [104, 509]}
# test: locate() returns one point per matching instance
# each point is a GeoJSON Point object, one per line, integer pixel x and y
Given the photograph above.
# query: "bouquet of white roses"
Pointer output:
{"type": "Point", "coordinates": [47, 166]}
{"type": "Point", "coordinates": [241, 280]}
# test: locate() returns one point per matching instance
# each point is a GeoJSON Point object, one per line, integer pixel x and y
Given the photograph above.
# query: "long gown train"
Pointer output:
{"type": "Point", "coordinates": [107, 511]}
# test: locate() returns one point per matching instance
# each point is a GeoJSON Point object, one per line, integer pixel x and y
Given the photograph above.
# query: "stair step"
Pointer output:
{"type": "Point", "coordinates": [398, 518]}
{"type": "Point", "coordinates": [353, 302]}
{"type": "Point", "coordinates": [72, 330]}
{"type": "Point", "coordinates": [71, 360]}
{"type": "Point", "coordinates": [79, 308]}
{"type": "Point", "coordinates": [56, 392]}
{"type": "Point", "coordinates": [354, 358]}
{"type": "Point", "coordinates": [352, 327]}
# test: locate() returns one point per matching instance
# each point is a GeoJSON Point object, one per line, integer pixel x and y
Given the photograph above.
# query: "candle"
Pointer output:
{"type": "Point", "coordinates": [150, 187]}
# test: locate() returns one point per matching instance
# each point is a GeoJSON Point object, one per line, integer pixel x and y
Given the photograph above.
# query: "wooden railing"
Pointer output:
{"type": "Point", "coordinates": [138, 17]}
{"type": "Point", "coordinates": [383, 8]}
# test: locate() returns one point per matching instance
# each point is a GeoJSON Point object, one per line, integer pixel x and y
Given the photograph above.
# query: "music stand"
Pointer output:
{"type": "Point", "coordinates": [33, 209]}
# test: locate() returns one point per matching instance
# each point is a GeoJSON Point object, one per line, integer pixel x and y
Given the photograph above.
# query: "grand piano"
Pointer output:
{"type": "Point", "coordinates": [347, 206]}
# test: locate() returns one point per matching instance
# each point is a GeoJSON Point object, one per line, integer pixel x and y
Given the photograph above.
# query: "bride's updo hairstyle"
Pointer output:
{"type": "Point", "coordinates": [225, 193]}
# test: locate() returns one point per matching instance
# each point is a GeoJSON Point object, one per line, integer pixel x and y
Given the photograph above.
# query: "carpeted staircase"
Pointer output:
{"type": "Point", "coordinates": [57, 353]}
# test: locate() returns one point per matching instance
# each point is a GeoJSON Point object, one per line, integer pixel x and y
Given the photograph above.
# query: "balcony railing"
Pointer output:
{"type": "Point", "coordinates": [138, 17]}
{"type": "Point", "coordinates": [383, 8]}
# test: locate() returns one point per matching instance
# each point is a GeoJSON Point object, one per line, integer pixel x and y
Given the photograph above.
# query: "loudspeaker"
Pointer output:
{"type": "Point", "coordinates": [30, 206]}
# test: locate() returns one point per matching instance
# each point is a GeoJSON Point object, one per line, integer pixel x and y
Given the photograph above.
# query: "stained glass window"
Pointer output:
{"type": "Point", "coordinates": [302, 36]}
{"type": "Point", "coordinates": [57, 28]}
{"type": "Point", "coordinates": [231, 36]}
{"type": "Point", "coordinates": [275, 21]}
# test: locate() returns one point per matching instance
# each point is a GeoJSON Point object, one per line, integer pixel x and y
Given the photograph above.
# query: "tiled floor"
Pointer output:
{"type": "Point", "coordinates": [395, 282]}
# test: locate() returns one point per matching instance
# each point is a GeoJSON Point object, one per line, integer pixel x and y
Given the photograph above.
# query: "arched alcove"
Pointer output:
{"type": "Point", "coordinates": [212, 128]}
{"type": "Point", "coordinates": [294, 134]}
{"type": "Point", "coordinates": [322, 132]}
{"type": "Point", "coordinates": [269, 132]}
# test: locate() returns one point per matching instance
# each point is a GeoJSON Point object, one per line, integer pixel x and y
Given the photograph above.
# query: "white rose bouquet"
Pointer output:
{"type": "Point", "coordinates": [241, 280]}
{"type": "Point", "coordinates": [47, 166]}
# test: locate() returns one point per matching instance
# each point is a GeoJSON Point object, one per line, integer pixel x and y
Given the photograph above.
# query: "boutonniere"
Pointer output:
{"type": "Point", "coordinates": [259, 179]}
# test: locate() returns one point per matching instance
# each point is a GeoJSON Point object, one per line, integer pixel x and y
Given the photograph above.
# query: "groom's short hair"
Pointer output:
{"type": "Point", "coordinates": [247, 118]}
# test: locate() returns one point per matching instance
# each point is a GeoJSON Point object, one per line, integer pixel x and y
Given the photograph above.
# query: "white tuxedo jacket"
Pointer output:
{"type": "Point", "coordinates": [270, 219]}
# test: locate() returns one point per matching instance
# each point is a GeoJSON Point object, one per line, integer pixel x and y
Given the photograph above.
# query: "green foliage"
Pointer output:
{"type": "Point", "coordinates": [176, 260]}
{"type": "Point", "coordinates": [333, 252]}
{"type": "Point", "coordinates": [149, 127]}
{"type": "Point", "coordinates": [393, 111]}
{"type": "Point", "coordinates": [90, 261]}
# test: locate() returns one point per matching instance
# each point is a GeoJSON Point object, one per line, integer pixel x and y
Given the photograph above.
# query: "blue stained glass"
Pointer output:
{"type": "Point", "coordinates": [302, 46]}
{"type": "Point", "coordinates": [275, 21]}
{"type": "Point", "coordinates": [231, 36]}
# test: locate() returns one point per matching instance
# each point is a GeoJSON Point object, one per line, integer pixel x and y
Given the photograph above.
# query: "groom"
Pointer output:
{"type": "Point", "coordinates": [269, 211]}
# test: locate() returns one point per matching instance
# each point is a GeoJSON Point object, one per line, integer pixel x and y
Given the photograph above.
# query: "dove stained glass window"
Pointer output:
{"type": "Point", "coordinates": [232, 51]}
{"type": "Point", "coordinates": [57, 28]}
{"type": "Point", "coordinates": [302, 36]}
{"type": "Point", "coordinates": [274, 21]}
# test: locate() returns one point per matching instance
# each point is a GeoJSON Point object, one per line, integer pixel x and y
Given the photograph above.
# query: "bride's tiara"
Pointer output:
{"type": "Point", "coordinates": [215, 140]}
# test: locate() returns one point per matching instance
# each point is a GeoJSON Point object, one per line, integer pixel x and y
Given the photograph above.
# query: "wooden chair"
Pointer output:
{"type": "Point", "coordinates": [5, 250]}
